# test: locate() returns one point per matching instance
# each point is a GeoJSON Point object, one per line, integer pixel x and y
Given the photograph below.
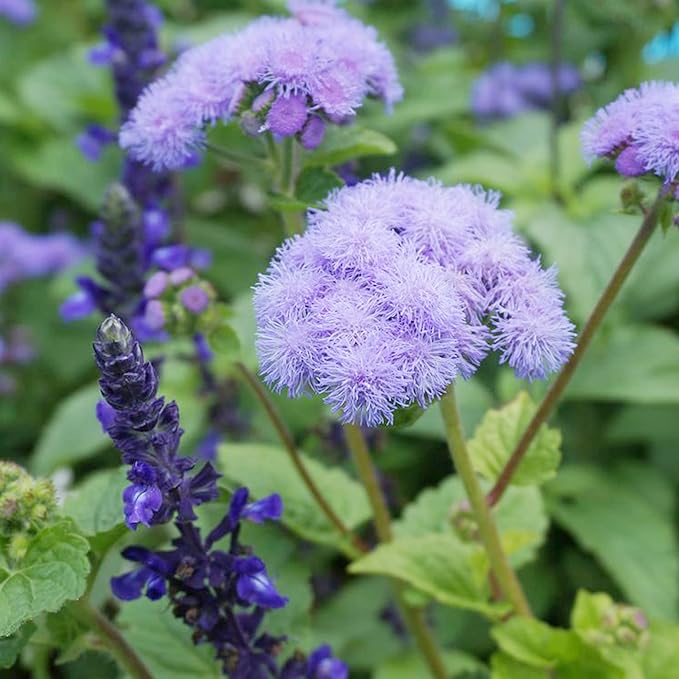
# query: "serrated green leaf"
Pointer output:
{"type": "Point", "coordinates": [96, 505]}
{"type": "Point", "coordinates": [558, 652]}
{"type": "Point", "coordinates": [11, 647]}
{"type": "Point", "coordinates": [266, 469]}
{"type": "Point", "coordinates": [53, 571]}
{"type": "Point", "coordinates": [506, 667]}
{"type": "Point", "coordinates": [315, 183]}
{"type": "Point", "coordinates": [496, 437]}
{"type": "Point", "coordinates": [520, 515]}
{"type": "Point", "coordinates": [347, 143]}
{"type": "Point", "coordinates": [440, 565]}
{"type": "Point", "coordinates": [164, 642]}
{"type": "Point", "coordinates": [73, 433]}
{"type": "Point", "coordinates": [632, 539]}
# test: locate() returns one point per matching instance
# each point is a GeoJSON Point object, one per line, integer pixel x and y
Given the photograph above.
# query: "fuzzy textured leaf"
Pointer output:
{"type": "Point", "coordinates": [96, 504]}
{"type": "Point", "coordinates": [53, 571]}
{"type": "Point", "coordinates": [499, 432]}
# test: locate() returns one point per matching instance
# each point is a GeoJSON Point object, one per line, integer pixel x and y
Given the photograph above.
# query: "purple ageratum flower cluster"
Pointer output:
{"type": "Point", "coordinates": [640, 130]}
{"type": "Point", "coordinates": [290, 76]}
{"type": "Point", "coordinates": [396, 289]}
{"type": "Point", "coordinates": [505, 89]}
{"type": "Point", "coordinates": [26, 255]}
{"type": "Point", "coordinates": [146, 431]}
{"type": "Point", "coordinates": [20, 12]}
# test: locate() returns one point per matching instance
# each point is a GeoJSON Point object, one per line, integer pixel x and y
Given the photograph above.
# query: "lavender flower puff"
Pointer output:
{"type": "Point", "coordinates": [399, 287]}
{"type": "Point", "coordinates": [295, 74]}
{"type": "Point", "coordinates": [27, 255]}
{"type": "Point", "coordinates": [640, 130]}
{"type": "Point", "coordinates": [20, 12]}
{"type": "Point", "coordinates": [505, 89]}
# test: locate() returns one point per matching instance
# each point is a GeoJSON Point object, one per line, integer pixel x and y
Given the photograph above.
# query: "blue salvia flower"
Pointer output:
{"type": "Point", "coordinates": [131, 50]}
{"type": "Point", "coordinates": [222, 594]}
{"type": "Point", "coordinates": [20, 12]}
{"type": "Point", "coordinates": [146, 431]}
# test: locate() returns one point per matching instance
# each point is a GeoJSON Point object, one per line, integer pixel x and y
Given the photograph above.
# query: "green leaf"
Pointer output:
{"type": "Point", "coordinates": [633, 539]}
{"type": "Point", "coordinates": [589, 621]}
{"type": "Point", "coordinates": [164, 642]}
{"type": "Point", "coordinates": [347, 143]}
{"type": "Point", "coordinates": [506, 667]}
{"type": "Point", "coordinates": [662, 651]}
{"type": "Point", "coordinates": [65, 89]}
{"type": "Point", "coordinates": [409, 664]}
{"type": "Point", "coordinates": [632, 363]}
{"type": "Point", "coordinates": [72, 434]}
{"type": "Point", "coordinates": [11, 647]}
{"type": "Point", "coordinates": [84, 182]}
{"type": "Point", "coordinates": [540, 646]}
{"type": "Point", "coordinates": [266, 469]}
{"type": "Point", "coordinates": [499, 432]}
{"type": "Point", "coordinates": [520, 515]}
{"type": "Point", "coordinates": [453, 573]}
{"type": "Point", "coordinates": [315, 183]}
{"type": "Point", "coordinates": [53, 571]}
{"type": "Point", "coordinates": [96, 504]}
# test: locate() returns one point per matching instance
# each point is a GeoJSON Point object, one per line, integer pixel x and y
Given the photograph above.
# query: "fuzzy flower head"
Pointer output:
{"type": "Point", "coordinates": [639, 130]}
{"type": "Point", "coordinates": [398, 287]}
{"type": "Point", "coordinates": [290, 76]}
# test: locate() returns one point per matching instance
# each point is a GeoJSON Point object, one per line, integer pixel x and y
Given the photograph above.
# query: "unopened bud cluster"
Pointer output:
{"type": "Point", "coordinates": [25, 506]}
{"type": "Point", "coordinates": [177, 301]}
{"type": "Point", "coordinates": [622, 625]}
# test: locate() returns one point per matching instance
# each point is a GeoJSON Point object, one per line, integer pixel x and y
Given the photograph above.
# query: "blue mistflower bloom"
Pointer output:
{"type": "Point", "coordinates": [399, 287]}
{"type": "Point", "coordinates": [290, 76]}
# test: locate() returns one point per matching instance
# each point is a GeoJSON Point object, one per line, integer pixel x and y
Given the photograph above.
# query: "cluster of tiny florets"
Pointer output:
{"type": "Point", "coordinates": [398, 287]}
{"type": "Point", "coordinates": [640, 130]}
{"type": "Point", "coordinates": [289, 76]}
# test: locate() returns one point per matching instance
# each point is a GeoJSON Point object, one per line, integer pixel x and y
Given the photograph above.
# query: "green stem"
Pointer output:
{"type": "Point", "coordinates": [488, 531]}
{"type": "Point", "coordinates": [111, 637]}
{"type": "Point", "coordinates": [557, 388]}
{"type": "Point", "coordinates": [413, 617]}
{"type": "Point", "coordinates": [554, 155]}
{"type": "Point", "coordinates": [292, 220]}
{"type": "Point", "coordinates": [290, 447]}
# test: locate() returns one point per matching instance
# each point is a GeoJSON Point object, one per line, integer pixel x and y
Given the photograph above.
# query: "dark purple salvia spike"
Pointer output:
{"type": "Point", "coordinates": [131, 36]}
{"type": "Point", "coordinates": [146, 431]}
{"type": "Point", "coordinates": [221, 594]}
